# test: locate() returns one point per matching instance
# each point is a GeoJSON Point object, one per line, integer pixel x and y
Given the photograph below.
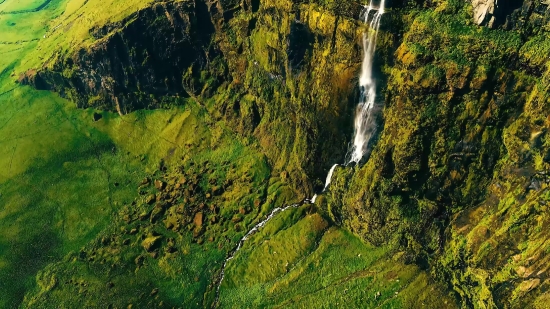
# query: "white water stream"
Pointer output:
{"type": "Point", "coordinates": [255, 229]}
{"type": "Point", "coordinates": [365, 118]}
{"type": "Point", "coordinates": [364, 124]}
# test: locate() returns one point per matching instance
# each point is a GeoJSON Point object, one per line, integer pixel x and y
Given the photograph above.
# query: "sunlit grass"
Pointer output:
{"type": "Point", "coordinates": [18, 5]}
{"type": "Point", "coordinates": [280, 268]}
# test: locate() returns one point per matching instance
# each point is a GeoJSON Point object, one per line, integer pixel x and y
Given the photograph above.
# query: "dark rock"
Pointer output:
{"type": "Point", "coordinates": [118, 72]}
{"type": "Point", "coordinates": [213, 209]}
{"type": "Point", "coordinates": [157, 213]}
{"type": "Point", "coordinates": [170, 249]}
{"type": "Point", "coordinates": [150, 199]}
{"type": "Point", "coordinates": [139, 260]}
{"type": "Point", "coordinates": [535, 185]}
{"type": "Point", "coordinates": [97, 117]}
{"type": "Point", "coordinates": [143, 216]}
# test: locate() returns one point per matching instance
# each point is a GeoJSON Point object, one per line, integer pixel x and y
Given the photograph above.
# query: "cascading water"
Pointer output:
{"type": "Point", "coordinates": [365, 123]}
{"type": "Point", "coordinates": [365, 118]}
{"type": "Point", "coordinates": [327, 182]}
{"type": "Point", "coordinates": [365, 115]}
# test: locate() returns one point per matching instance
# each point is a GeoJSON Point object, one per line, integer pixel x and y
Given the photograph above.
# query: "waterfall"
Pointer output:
{"type": "Point", "coordinates": [365, 114]}
{"type": "Point", "coordinates": [329, 176]}
{"type": "Point", "coordinates": [365, 124]}
{"type": "Point", "coordinates": [365, 118]}
{"type": "Point", "coordinates": [327, 182]}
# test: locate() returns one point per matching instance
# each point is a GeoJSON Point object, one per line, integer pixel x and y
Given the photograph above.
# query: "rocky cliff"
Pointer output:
{"type": "Point", "coordinates": [132, 64]}
{"type": "Point", "coordinates": [283, 72]}
{"type": "Point", "coordinates": [457, 178]}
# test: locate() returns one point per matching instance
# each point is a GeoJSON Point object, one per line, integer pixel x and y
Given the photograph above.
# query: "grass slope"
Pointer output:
{"type": "Point", "coordinates": [298, 261]}
{"type": "Point", "coordinates": [62, 175]}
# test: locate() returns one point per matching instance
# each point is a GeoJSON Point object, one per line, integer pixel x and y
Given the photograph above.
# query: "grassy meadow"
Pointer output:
{"type": "Point", "coordinates": [299, 261]}
{"type": "Point", "coordinates": [62, 175]}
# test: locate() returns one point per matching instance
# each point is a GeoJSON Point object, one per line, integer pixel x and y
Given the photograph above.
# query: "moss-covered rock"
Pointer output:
{"type": "Point", "coordinates": [460, 158]}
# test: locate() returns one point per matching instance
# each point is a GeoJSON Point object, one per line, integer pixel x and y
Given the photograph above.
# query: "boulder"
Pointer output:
{"type": "Point", "coordinates": [484, 12]}
{"type": "Point", "coordinates": [150, 199]}
{"type": "Point", "coordinates": [97, 117]}
{"type": "Point", "coordinates": [528, 285]}
{"type": "Point", "coordinates": [198, 220]}
{"type": "Point", "coordinates": [157, 213]}
{"type": "Point", "coordinates": [216, 190]}
{"type": "Point", "coordinates": [160, 185]}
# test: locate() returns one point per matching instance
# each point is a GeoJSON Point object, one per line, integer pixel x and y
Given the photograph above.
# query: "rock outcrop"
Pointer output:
{"type": "Point", "coordinates": [155, 53]}
{"type": "Point", "coordinates": [457, 178]}
{"type": "Point", "coordinates": [283, 72]}
{"type": "Point", "coordinates": [517, 14]}
{"type": "Point", "coordinates": [484, 12]}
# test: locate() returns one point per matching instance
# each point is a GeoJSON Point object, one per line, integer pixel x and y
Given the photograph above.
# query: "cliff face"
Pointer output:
{"type": "Point", "coordinates": [134, 63]}
{"type": "Point", "coordinates": [458, 178]}
{"type": "Point", "coordinates": [282, 72]}
{"type": "Point", "coordinates": [294, 66]}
